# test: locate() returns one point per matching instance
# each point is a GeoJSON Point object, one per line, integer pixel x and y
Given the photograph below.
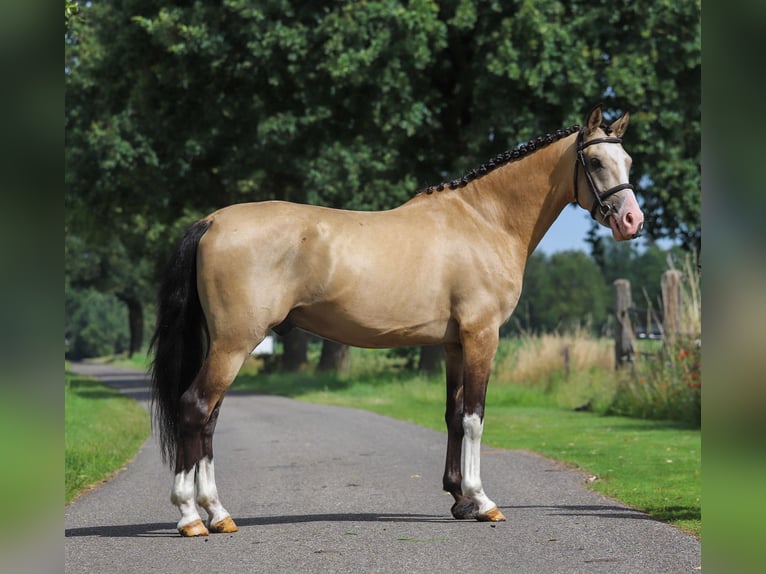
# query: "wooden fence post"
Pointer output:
{"type": "Point", "coordinates": [623, 333]}
{"type": "Point", "coordinates": [671, 304]}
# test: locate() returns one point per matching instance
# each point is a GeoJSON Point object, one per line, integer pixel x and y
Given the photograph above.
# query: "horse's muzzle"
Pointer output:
{"type": "Point", "coordinates": [638, 231]}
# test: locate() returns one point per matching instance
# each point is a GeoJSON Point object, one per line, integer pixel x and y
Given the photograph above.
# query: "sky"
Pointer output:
{"type": "Point", "coordinates": [568, 232]}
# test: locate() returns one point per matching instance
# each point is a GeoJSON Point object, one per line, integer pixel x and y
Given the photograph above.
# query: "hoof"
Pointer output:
{"type": "Point", "coordinates": [225, 525]}
{"type": "Point", "coordinates": [492, 515]}
{"type": "Point", "coordinates": [463, 510]}
{"type": "Point", "coordinates": [196, 528]}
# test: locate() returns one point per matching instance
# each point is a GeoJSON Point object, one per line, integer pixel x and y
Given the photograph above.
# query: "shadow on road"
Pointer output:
{"type": "Point", "coordinates": [165, 529]}
{"type": "Point", "coordinates": [132, 386]}
{"type": "Point", "coordinates": [602, 511]}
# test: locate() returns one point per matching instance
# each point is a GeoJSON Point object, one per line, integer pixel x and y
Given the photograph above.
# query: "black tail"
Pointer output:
{"type": "Point", "coordinates": [179, 339]}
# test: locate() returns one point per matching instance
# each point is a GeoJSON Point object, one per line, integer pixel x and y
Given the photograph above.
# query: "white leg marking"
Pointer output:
{"type": "Point", "coordinates": [182, 496]}
{"type": "Point", "coordinates": [207, 493]}
{"type": "Point", "coordinates": [471, 462]}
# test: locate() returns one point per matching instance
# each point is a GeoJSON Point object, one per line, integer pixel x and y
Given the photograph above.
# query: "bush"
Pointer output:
{"type": "Point", "coordinates": [95, 324]}
{"type": "Point", "coordinates": [667, 385]}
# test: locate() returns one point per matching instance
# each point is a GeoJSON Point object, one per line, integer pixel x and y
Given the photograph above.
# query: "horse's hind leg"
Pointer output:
{"type": "Point", "coordinates": [219, 520]}
{"type": "Point", "coordinates": [200, 406]}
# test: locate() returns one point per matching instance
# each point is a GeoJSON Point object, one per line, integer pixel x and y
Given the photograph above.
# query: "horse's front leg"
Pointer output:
{"type": "Point", "coordinates": [478, 352]}
{"type": "Point", "coordinates": [453, 416]}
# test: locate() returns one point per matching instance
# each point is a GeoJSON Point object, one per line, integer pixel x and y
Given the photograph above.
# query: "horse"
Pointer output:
{"type": "Point", "coordinates": [444, 268]}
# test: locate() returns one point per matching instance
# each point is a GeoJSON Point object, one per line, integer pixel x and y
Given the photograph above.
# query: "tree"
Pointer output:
{"type": "Point", "coordinates": [643, 268]}
{"type": "Point", "coordinates": [661, 77]}
{"type": "Point", "coordinates": [71, 9]}
{"type": "Point", "coordinates": [562, 291]}
{"type": "Point", "coordinates": [110, 268]}
{"type": "Point", "coordinates": [217, 105]}
{"type": "Point", "coordinates": [94, 324]}
{"type": "Point", "coordinates": [334, 357]}
{"type": "Point", "coordinates": [175, 109]}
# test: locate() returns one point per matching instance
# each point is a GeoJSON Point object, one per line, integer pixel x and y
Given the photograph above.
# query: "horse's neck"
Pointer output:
{"type": "Point", "coordinates": [526, 196]}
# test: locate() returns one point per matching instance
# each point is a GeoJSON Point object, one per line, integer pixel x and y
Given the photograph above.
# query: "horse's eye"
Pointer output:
{"type": "Point", "coordinates": [595, 163]}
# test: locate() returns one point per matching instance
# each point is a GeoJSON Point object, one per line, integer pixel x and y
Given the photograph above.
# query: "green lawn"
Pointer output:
{"type": "Point", "coordinates": [650, 465]}
{"type": "Point", "coordinates": [30, 451]}
{"type": "Point", "coordinates": [103, 431]}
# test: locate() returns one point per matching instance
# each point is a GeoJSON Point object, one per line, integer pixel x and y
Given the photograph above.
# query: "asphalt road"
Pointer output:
{"type": "Point", "coordinates": [325, 489]}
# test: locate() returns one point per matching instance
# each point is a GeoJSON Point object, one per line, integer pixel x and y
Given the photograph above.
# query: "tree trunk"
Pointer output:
{"type": "Point", "coordinates": [135, 322]}
{"type": "Point", "coordinates": [431, 359]}
{"type": "Point", "coordinates": [334, 357]}
{"type": "Point", "coordinates": [295, 350]}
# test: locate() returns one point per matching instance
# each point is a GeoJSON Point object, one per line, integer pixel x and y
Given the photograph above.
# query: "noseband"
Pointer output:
{"type": "Point", "coordinates": [603, 208]}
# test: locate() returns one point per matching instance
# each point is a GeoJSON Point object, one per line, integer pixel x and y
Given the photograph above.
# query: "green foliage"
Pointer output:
{"type": "Point", "coordinates": [561, 292]}
{"type": "Point", "coordinates": [570, 289]}
{"type": "Point", "coordinates": [32, 455]}
{"type": "Point", "coordinates": [175, 109]}
{"type": "Point", "coordinates": [667, 383]}
{"type": "Point", "coordinates": [95, 324]}
{"type": "Point", "coordinates": [217, 104]}
{"type": "Point", "coordinates": [71, 9]}
{"type": "Point", "coordinates": [665, 386]}
{"type": "Point", "coordinates": [642, 267]}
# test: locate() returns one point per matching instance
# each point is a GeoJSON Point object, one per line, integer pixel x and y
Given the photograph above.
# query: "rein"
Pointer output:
{"type": "Point", "coordinates": [604, 209]}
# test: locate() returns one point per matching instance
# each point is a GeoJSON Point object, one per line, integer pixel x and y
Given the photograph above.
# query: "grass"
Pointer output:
{"type": "Point", "coordinates": [30, 451]}
{"type": "Point", "coordinates": [734, 502]}
{"type": "Point", "coordinates": [666, 381]}
{"type": "Point", "coordinates": [651, 465]}
{"type": "Point", "coordinates": [140, 361]}
{"type": "Point", "coordinates": [103, 430]}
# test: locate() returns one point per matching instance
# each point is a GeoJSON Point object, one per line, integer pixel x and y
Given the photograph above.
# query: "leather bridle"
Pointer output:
{"type": "Point", "coordinates": [604, 209]}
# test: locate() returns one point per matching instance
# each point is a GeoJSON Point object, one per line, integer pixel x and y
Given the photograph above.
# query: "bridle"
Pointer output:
{"type": "Point", "coordinates": [604, 209]}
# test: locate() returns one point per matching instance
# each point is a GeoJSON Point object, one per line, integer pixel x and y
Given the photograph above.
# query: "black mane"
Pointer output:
{"type": "Point", "coordinates": [501, 159]}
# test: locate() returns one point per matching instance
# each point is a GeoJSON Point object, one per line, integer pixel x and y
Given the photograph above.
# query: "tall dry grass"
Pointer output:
{"type": "Point", "coordinates": [579, 370]}
{"type": "Point", "coordinates": [691, 299]}
{"type": "Point", "coordinates": [539, 360]}
{"type": "Point", "coordinates": [574, 369]}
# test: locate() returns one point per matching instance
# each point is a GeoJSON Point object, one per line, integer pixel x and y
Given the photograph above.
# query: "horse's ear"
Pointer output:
{"type": "Point", "coordinates": [621, 124]}
{"type": "Point", "coordinates": [595, 117]}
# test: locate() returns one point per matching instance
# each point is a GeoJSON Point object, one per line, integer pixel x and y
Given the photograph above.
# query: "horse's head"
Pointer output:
{"type": "Point", "coordinates": [602, 168]}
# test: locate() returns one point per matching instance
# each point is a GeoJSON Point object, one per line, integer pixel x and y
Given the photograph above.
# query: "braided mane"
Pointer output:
{"type": "Point", "coordinates": [501, 159]}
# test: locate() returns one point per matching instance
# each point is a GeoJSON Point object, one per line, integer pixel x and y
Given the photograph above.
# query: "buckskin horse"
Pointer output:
{"type": "Point", "coordinates": [445, 268]}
